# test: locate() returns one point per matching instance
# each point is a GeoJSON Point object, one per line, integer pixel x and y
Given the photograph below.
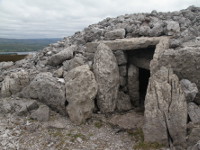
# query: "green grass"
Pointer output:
{"type": "Point", "coordinates": [98, 124]}
{"type": "Point", "coordinates": [140, 143]}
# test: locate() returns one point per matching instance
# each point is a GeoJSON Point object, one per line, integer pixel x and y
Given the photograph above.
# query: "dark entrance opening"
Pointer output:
{"type": "Point", "coordinates": [141, 59]}
{"type": "Point", "coordinates": [144, 75]}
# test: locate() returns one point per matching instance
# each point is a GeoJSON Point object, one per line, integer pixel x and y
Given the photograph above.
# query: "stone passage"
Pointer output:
{"type": "Point", "coordinates": [133, 59]}
{"type": "Point", "coordinates": [140, 59]}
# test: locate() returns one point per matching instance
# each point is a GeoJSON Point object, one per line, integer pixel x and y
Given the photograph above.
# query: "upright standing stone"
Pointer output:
{"type": "Point", "coordinates": [165, 110]}
{"type": "Point", "coordinates": [81, 89]}
{"type": "Point", "coordinates": [107, 75]}
{"type": "Point", "coordinates": [133, 84]}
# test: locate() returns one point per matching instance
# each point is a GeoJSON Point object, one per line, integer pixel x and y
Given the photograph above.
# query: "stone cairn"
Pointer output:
{"type": "Point", "coordinates": [101, 67]}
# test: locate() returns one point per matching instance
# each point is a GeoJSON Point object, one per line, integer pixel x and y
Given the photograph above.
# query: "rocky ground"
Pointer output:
{"type": "Point", "coordinates": [59, 133]}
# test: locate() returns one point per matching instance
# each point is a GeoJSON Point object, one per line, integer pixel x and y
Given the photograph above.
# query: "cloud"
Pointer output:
{"type": "Point", "coordinates": [59, 18]}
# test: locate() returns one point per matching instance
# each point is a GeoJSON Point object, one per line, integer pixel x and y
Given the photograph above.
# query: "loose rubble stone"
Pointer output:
{"type": "Point", "coordinates": [63, 55]}
{"type": "Point", "coordinates": [107, 76]}
{"type": "Point", "coordinates": [14, 83]}
{"type": "Point", "coordinates": [190, 89]}
{"type": "Point", "coordinates": [115, 34]}
{"type": "Point", "coordinates": [41, 114]}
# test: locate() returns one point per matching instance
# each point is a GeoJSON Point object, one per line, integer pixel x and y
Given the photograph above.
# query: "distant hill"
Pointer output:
{"type": "Point", "coordinates": [22, 45]}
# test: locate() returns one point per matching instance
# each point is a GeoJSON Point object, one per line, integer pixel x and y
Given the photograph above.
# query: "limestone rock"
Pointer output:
{"type": "Point", "coordinates": [5, 65]}
{"type": "Point", "coordinates": [194, 136]}
{"type": "Point", "coordinates": [133, 84]}
{"type": "Point", "coordinates": [172, 28]}
{"type": "Point", "coordinates": [190, 89]}
{"type": "Point", "coordinates": [123, 102]}
{"type": "Point", "coordinates": [165, 110]}
{"type": "Point", "coordinates": [27, 107]}
{"type": "Point", "coordinates": [194, 112]}
{"type": "Point", "coordinates": [41, 114]}
{"type": "Point", "coordinates": [63, 55]}
{"type": "Point", "coordinates": [121, 57]}
{"type": "Point", "coordinates": [107, 76]}
{"type": "Point", "coordinates": [47, 90]}
{"type": "Point", "coordinates": [81, 89]}
{"type": "Point", "coordinates": [178, 61]}
{"type": "Point", "coordinates": [14, 83]}
{"type": "Point", "coordinates": [115, 34]}
{"type": "Point", "coordinates": [58, 73]}
{"type": "Point", "coordinates": [73, 63]}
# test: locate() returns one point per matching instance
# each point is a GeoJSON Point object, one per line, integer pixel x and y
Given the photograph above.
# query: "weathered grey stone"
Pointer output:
{"type": "Point", "coordinates": [115, 34]}
{"type": "Point", "coordinates": [123, 102]}
{"type": "Point", "coordinates": [47, 90]}
{"type": "Point", "coordinates": [194, 112]}
{"type": "Point", "coordinates": [73, 63]}
{"type": "Point", "coordinates": [165, 110]}
{"type": "Point", "coordinates": [123, 70]}
{"type": "Point", "coordinates": [122, 81]}
{"type": "Point", "coordinates": [133, 84]}
{"type": "Point", "coordinates": [81, 89]}
{"type": "Point", "coordinates": [58, 73]}
{"type": "Point", "coordinates": [193, 137]}
{"type": "Point", "coordinates": [144, 30]}
{"type": "Point", "coordinates": [121, 57]}
{"type": "Point", "coordinates": [63, 55]}
{"type": "Point", "coordinates": [107, 76]}
{"type": "Point", "coordinates": [14, 83]}
{"type": "Point", "coordinates": [127, 44]}
{"type": "Point", "coordinates": [27, 107]}
{"type": "Point", "coordinates": [5, 65]}
{"type": "Point", "coordinates": [178, 60]}
{"type": "Point", "coordinates": [190, 89]}
{"type": "Point", "coordinates": [172, 28]}
{"type": "Point", "coordinates": [41, 114]}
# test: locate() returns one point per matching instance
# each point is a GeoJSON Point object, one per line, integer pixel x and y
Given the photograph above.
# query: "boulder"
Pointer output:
{"type": "Point", "coordinates": [165, 110]}
{"type": "Point", "coordinates": [107, 76]}
{"type": "Point", "coordinates": [48, 90]}
{"type": "Point", "coordinates": [41, 114]}
{"type": "Point", "coordinates": [133, 84]}
{"type": "Point", "coordinates": [14, 83]}
{"type": "Point", "coordinates": [81, 89]}
{"type": "Point", "coordinates": [61, 56]}
{"type": "Point", "coordinates": [123, 102]}
{"type": "Point", "coordinates": [115, 34]}
{"type": "Point", "coordinates": [190, 89]}
{"type": "Point", "coordinates": [194, 112]}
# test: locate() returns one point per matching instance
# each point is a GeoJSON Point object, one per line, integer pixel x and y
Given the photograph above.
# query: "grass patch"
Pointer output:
{"type": "Point", "coordinates": [76, 135]}
{"type": "Point", "coordinates": [140, 143]}
{"type": "Point", "coordinates": [148, 145]}
{"type": "Point", "coordinates": [98, 124]}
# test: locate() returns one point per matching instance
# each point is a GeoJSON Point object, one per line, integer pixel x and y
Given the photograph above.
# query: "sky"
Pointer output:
{"type": "Point", "coordinates": [25, 19]}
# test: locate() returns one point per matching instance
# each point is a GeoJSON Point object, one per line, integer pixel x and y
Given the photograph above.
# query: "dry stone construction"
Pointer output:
{"type": "Point", "coordinates": [149, 61]}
